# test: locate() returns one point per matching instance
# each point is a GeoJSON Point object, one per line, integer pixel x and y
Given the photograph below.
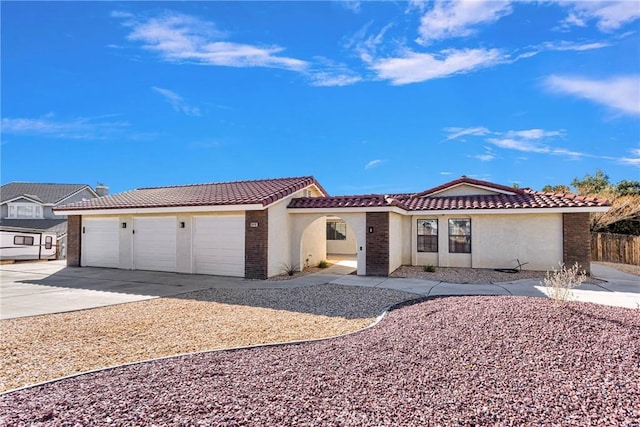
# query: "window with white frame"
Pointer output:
{"type": "Point", "coordinates": [427, 235]}
{"type": "Point", "coordinates": [25, 210]}
{"type": "Point", "coordinates": [460, 236]}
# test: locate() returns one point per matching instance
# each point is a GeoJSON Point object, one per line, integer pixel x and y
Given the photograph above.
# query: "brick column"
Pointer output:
{"type": "Point", "coordinates": [256, 243]}
{"type": "Point", "coordinates": [576, 240]}
{"type": "Point", "coordinates": [377, 244]}
{"type": "Point", "coordinates": [74, 240]}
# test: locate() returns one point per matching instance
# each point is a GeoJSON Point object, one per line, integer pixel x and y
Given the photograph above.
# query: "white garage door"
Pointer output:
{"type": "Point", "coordinates": [154, 243]}
{"type": "Point", "coordinates": [218, 245]}
{"type": "Point", "coordinates": [101, 242]}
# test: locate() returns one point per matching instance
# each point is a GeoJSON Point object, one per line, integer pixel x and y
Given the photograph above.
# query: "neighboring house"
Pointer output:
{"type": "Point", "coordinates": [27, 209]}
{"type": "Point", "coordinates": [253, 229]}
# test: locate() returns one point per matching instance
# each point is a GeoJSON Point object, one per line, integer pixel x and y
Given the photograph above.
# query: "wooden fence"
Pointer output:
{"type": "Point", "coordinates": [618, 248]}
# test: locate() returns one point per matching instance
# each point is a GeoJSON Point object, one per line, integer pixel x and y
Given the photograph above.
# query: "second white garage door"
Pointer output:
{"type": "Point", "coordinates": [218, 245]}
{"type": "Point", "coordinates": [154, 243]}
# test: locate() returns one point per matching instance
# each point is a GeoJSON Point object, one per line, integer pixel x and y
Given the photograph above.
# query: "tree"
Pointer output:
{"type": "Point", "coordinates": [558, 189]}
{"type": "Point", "coordinates": [598, 184]}
{"type": "Point", "coordinates": [628, 188]}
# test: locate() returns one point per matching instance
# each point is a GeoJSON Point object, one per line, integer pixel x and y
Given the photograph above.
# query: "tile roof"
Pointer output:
{"type": "Point", "coordinates": [509, 198]}
{"type": "Point", "coordinates": [361, 201]}
{"type": "Point", "coordinates": [264, 192]}
{"type": "Point", "coordinates": [524, 199]}
{"type": "Point", "coordinates": [42, 192]}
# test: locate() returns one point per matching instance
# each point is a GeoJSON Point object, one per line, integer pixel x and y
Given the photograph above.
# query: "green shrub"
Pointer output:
{"type": "Point", "coordinates": [429, 269]}
{"type": "Point", "coordinates": [323, 264]}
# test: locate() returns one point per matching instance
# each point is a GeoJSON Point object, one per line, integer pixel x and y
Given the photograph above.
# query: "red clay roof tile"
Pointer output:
{"type": "Point", "coordinates": [262, 192]}
{"type": "Point", "coordinates": [518, 199]}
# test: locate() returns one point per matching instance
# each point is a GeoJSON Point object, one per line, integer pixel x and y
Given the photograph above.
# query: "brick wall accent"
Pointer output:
{"type": "Point", "coordinates": [74, 240]}
{"type": "Point", "coordinates": [576, 240]}
{"type": "Point", "coordinates": [378, 244]}
{"type": "Point", "coordinates": [256, 242]}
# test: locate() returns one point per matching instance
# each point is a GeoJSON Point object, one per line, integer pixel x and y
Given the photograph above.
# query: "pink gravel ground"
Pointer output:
{"type": "Point", "coordinates": [447, 361]}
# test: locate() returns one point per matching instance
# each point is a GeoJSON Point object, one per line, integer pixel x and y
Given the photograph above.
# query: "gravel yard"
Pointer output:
{"type": "Point", "coordinates": [41, 348]}
{"type": "Point", "coordinates": [446, 361]}
{"type": "Point", "coordinates": [465, 275]}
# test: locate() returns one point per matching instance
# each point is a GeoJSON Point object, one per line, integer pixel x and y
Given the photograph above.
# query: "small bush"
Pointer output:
{"type": "Point", "coordinates": [289, 269]}
{"type": "Point", "coordinates": [429, 269]}
{"type": "Point", "coordinates": [559, 283]}
{"type": "Point", "coordinates": [323, 264]}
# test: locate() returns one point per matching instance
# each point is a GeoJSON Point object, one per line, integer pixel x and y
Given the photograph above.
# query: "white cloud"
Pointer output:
{"type": "Point", "coordinates": [632, 161]}
{"type": "Point", "coordinates": [373, 164]}
{"type": "Point", "coordinates": [327, 72]}
{"type": "Point", "coordinates": [177, 102]}
{"type": "Point", "coordinates": [415, 67]}
{"type": "Point", "coordinates": [526, 141]}
{"type": "Point", "coordinates": [324, 78]}
{"type": "Point", "coordinates": [563, 46]}
{"type": "Point", "coordinates": [77, 128]}
{"type": "Point", "coordinates": [183, 38]}
{"type": "Point", "coordinates": [366, 45]}
{"type": "Point", "coordinates": [609, 15]}
{"type": "Point", "coordinates": [519, 145]}
{"type": "Point", "coordinates": [352, 5]}
{"type": "Point", "coordinates": [534, 133]}
{"type": "Point", "coordinates": [486, 157]}
{"type": "Point", "coordinates": [458, 18]}
{"type": "Point", "coordinates": [618, 93]}
{"type": "Point", "coordinates": [457, 132]}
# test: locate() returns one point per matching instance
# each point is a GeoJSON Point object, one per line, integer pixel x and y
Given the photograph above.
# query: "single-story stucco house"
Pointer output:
{"type": "Point", "coordinates": [253, 229]}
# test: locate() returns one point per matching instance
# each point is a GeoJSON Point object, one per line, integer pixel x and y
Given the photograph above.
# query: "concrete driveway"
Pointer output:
{"type": "Point", "coordinates": [33, 288]}
{"type": "Point", "coordinates": [29, 289]}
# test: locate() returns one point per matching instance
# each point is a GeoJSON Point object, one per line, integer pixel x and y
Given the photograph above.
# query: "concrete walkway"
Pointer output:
{"type": "Point", "coordinates": [618, 289]}
{"type": "Point", "coordinates": [29, 289]}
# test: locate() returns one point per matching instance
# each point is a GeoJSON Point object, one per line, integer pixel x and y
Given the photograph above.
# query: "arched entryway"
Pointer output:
{"type": "Point", "coordinates": [338, 238]}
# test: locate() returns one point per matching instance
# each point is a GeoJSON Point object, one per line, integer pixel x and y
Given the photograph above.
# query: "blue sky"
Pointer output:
{"type": "Point", "coordinates": [369, 97]}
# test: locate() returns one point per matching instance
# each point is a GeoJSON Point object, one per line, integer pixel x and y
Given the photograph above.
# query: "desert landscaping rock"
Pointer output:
{"type": "Point", "coordinates": [41, 348]}
{"type": "Point", "coordinates": [446, 361]}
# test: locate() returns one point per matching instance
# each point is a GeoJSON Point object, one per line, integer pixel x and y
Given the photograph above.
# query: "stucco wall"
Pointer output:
{"type": "Point", "coordinates": [398, 242]}
{"type": "Point", "coordinates": [464, 190]}
{"type": "Point", "coordinates": [314, 248]}
{"type": "Point", "coordinates": [343, 247]}
{"type": "Point", "coordinates": [184, 238]}
{"type": "Point", "coordinates": [280, 237]}
{"type": "Point", "coordinates": [126, 242]}
{"type": "Point", "coordinates": [498, 240]}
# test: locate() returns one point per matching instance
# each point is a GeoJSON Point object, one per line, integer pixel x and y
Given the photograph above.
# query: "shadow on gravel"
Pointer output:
{"type": "Point", "coordinates": [349, 302]}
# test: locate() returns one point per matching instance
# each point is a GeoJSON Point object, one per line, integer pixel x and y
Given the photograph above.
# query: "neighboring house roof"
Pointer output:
{"type": "Point", "coordinates": [504, 198]}
{"type": "Point", "coordinates": [40, 192]}
{"type": "Point", "coordinates": [58, 226]}
{"type": "Point", "coordinates": [263, 192]}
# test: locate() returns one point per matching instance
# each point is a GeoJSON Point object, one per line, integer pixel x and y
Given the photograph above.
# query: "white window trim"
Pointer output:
{"type": "Point", "coordinates": [12, 212]}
